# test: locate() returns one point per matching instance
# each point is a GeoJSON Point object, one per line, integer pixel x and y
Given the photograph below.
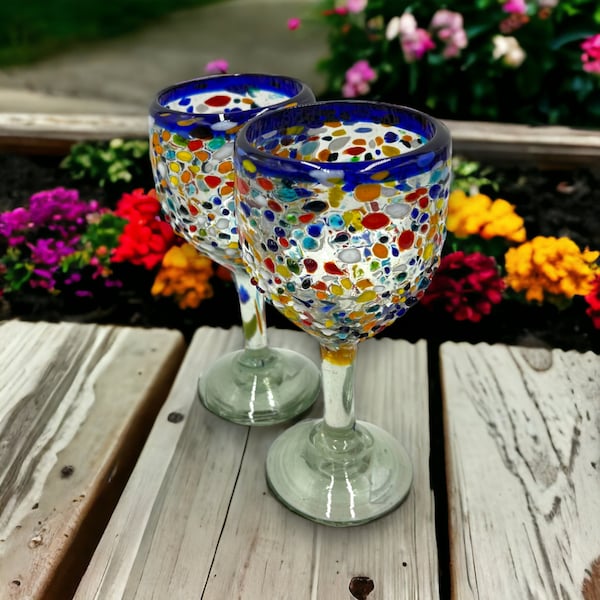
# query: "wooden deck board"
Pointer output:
{"type": "Point", "coordinates": [547, 145]}
{"type": "Point", "coordinates": [76, 403]}
{"type": "Point", "coordinates": [224, 536]}
{"type": "Point", "coordinates": [523, 454]}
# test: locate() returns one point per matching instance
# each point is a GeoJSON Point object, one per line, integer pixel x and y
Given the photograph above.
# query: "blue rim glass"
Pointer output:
{"type": "Point", "coordinates": [191, 124]}
{"type": "Point", "coordinates": [438, 145]}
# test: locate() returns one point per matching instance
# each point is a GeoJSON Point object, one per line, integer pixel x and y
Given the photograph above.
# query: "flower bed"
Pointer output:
{"type": "Point", "coordinates": [512, 61]}
{"type": "Point", "coordinates": [520, 264]}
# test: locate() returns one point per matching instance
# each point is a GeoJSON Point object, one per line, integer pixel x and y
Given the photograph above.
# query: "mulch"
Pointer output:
{"type": "Point", "coordinates": [553, 202]}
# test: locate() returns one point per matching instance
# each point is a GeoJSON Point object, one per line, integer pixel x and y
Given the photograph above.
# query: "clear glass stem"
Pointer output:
{"type": "Point", "coordinates": [335, 436]}
{"type": "Point", "coordinates": [258, 385]}
{"type": "Point", "coordinates": [252, 309]}
{"type": "Point", "coordinates": [337, 372]}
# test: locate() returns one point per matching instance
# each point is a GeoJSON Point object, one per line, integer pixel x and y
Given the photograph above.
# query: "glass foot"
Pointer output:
{"type": "Point", "coordinates": [339, 479]}
{"type": "Point", "coordinates": [260, 387]}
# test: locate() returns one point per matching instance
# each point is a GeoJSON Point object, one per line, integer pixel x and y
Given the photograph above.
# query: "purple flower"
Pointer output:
{"type": "Point", "coordinates": [49, 252]}
{"type": "Point", "coordinates": [13, 220]}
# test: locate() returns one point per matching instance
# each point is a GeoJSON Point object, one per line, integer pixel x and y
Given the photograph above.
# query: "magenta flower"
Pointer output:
{"type": "Point", "coordinates": [49, 252]}
{"type": "Point", "coordinates": [515, 6]}
{"type": "Point", "coordinates": [293, 23]}
{"type": "Point", "coordinates": [216, 67]}
{"type": "Point", "coordinates": [591, 54]}
{"type": "Point", "coordinates": [358, 77]}
{"type": "Point", "coordinates": [416, 44]}
{"type": "Point", "coordinates": [466, 286]}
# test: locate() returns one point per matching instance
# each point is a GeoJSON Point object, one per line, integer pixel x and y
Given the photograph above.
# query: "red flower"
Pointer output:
{"type": "Point", "coordinates": [138, 206]}
{"type": "Point", "coordinates": [465, 285]}
{"type": "Point", "coordinates": [146, 237]}
{"type": "Point", "coordinates": [593, 300]}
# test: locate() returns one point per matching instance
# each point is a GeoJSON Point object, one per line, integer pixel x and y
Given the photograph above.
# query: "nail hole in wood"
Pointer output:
{"type": "Point", "coordinates": [360, 587]}
{"type": "Point", "coordinates": [67, 471]}
{"type": "Point", "coordinates": [175, 417]}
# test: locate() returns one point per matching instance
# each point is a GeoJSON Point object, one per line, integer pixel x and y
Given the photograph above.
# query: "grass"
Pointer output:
{"type": "Point", "coordinates": [32, 29]}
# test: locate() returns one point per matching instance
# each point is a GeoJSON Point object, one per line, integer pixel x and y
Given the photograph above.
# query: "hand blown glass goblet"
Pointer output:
{"type": "Point", "coordinates": [341, 208]}
{"type": "Point", "coordinates": [192, 128]}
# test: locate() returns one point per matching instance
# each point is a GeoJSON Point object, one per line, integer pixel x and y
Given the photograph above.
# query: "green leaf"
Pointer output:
{"type": "Point", "coordinates": [571, 36]}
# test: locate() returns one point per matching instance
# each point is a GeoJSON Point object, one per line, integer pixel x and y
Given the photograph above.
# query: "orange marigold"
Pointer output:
{"type": "Point", "coordinates": [480, 215]}
{"type": "Point", "coordinates": [184, 274]}
{"type": "Point", "coordinates": [549, 265]}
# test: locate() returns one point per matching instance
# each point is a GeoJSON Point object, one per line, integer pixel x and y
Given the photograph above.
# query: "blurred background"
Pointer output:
{"type": "Point", "coordinates": [102, 57]}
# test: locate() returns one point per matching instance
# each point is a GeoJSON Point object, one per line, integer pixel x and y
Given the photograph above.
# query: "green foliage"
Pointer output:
{"type": "Point", "coordinates": [469, 175]}
{"type": "Point", "coordinates": [96, 243]}
{"type": "Point", "coordinates": [118, 161]}
{"type": "Point", "coordinates": [32, 29]}
{"type": "Point", "coordinates": [548, 87]}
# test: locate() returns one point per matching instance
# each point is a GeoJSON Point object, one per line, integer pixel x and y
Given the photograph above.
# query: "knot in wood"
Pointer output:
{"type": "Point", "coordinates": [360, 587]}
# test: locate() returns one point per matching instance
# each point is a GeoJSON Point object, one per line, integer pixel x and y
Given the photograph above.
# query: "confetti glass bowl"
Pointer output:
{"type": "Point", "coordinates": [341, 210]}
{"type": "Point", "coordinates": [193, 125]}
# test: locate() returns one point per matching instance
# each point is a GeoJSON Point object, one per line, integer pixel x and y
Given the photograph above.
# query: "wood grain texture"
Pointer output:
{"type": "Point", "coordinates": [54, 133]}
{"type": "Point", "coordinates": [543, 145]}
{"type": "Point", "coordinates": [197, 521]}
{"type": "Point", "coordinates": [523, 451]}
{"type": "Point", "coordinates": [76, 402]}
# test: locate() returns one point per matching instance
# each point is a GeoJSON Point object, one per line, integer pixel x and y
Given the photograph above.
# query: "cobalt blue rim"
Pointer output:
{"type": "Point", "coordinates": [171, 119]}
{"type": "Point", "coordinates": [438, 146]}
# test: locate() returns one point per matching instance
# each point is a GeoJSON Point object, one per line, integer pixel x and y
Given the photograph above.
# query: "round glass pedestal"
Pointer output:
{"type": "Point", "coordinates": [346, 479]}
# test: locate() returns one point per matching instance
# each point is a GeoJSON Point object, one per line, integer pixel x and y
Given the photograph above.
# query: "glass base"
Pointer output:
{"type": "Point", "coordinates": [260, 387]}
{"type": "Point", "coordinates": [338, 479]}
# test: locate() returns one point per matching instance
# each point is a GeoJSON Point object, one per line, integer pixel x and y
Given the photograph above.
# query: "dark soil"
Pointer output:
{"type": "Point", "coordinates": [552, 202]}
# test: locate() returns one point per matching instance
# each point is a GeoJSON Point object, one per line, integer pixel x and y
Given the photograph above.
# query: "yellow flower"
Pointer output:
{"type": "Point", "coordinates": [480, 215]}
{"type": "Point", "coordinates": [549, 265]}
{"type": "Point", "coordinates": [184, 274]}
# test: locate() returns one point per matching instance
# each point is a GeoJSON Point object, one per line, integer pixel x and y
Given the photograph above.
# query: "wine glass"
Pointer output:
{"type": "Point", "coordinates": [192, 128]}
{"type": "Point", "coordinates": [344, 239]}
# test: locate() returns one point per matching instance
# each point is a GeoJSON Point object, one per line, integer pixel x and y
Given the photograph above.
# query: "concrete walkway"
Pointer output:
{"type": "Point", "coordinates": [121, 75]}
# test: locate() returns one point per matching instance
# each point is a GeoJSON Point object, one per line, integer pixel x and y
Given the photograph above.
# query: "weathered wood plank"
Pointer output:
{"type": "Point", "coordinates": [199, 521]}
{"type": "Point", "coordinates": [76, 403]}
{"type": "Point", "coordinates": [268, 552]}
{"type": "Point", "coordinates": [552, 146]}
{"type": "Point", "coordinates": [54, 133]}
{"type": "Point", "coordinates": [163, 533]}
{"type": "Point", "coordinates": [523, 454]}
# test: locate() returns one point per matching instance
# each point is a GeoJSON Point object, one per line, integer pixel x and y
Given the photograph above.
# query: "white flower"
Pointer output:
{"type": "Point", "coordinates": [400, 26]}
{"type": "Point", "coordinates": [508, 49]}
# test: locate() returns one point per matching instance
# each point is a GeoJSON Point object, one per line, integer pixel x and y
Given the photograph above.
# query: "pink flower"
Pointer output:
{"type": "Point", "coordinates": [515, 6]}
{"type": "Point", "coordinates": [356, 6]}
{"type": "Point", "coordinates": [416, 44]}
{"type": "Point", "coordinates": [293, 23]}
{"type": "Point", "coordinates": [591, 54]}
{"type": "Point", "coordinates": [448, 20]}
{"type": "Point", "coordinates": [215, 67]}
{"type": "Point", "coordinates": [414, 41]}
{"type": "Point", "coordinates": [448, 26]}
{"type": "Point", "coordinates": [358, 77]}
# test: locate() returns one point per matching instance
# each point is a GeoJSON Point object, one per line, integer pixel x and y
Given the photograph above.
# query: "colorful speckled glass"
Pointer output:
{"type": "Point", "coordinates": [343, 220]}
{"type": "Point", "coordinates": [193, 125]}
{"type": "Point", "coordinates": [341, 210]}
{"type": "Point", "coordinates": [192, 129]}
